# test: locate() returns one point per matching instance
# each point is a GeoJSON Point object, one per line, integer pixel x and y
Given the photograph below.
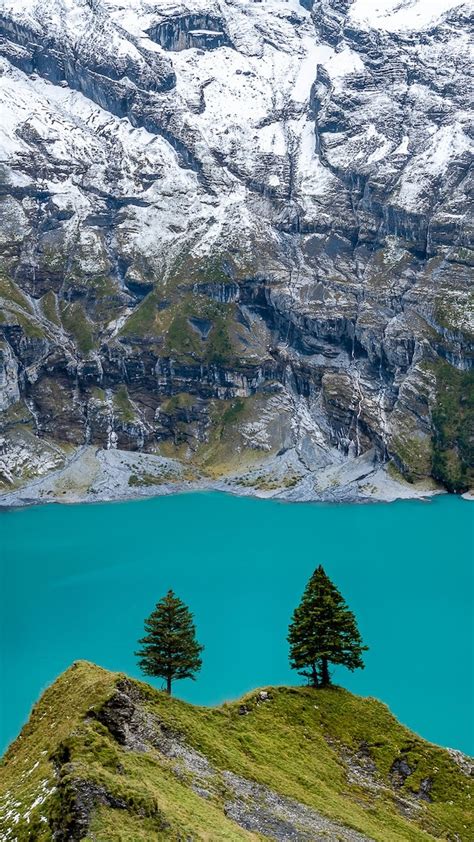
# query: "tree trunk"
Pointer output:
{"type": "Point", "coordinates": [325, 680]}
{"type": "Point", "coordinates": [168, 685]}
{"type": "Point", "coordinates": [314, 676]}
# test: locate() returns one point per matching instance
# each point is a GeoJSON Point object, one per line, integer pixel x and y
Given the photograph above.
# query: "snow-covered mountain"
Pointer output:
{"type": "Point", "coordinates": [235, 237]}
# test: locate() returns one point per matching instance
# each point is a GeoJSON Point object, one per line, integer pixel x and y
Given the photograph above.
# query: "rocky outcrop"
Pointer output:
{"type": "Point", "coordinates": [82, 797]}
{"type": "Point", "coordinates": [283, 223]}
{"type": "Point", "coordinates": [9, 386]}
{"type": "Point", "coordinates": [184, 32]}
{"type": "Point", "coordinates": [259, 809]}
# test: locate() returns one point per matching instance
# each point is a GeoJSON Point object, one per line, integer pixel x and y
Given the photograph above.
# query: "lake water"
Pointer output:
{"type": "Point", "coordinates": [77, 582]}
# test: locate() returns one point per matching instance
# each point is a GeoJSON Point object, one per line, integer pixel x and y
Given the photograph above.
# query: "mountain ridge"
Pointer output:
{"type": "Point", "coordinates": [105, 757]}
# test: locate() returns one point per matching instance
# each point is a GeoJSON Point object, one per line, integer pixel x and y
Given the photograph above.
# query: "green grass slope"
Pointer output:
{"type": "Point", "coordinates": [107, 758]}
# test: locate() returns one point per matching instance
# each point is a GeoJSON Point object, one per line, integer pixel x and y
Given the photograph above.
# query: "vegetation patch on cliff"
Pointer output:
{"type": "Point", "coordinates": [11, 293]}
{"type": "Point", "coordinates": [413, 454]}
{"type": "Point", "coordinates": [453, 422]}
{"type": "Point", "coordinates": [123, 405]}
{"type": "Point", "coordinates": [76, 323]}
{"type": "Point", "coordinates": [200, 330]}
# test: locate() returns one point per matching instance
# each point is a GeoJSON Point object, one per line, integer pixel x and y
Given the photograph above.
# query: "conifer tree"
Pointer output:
{"type": "Point", "coordinates": [323, 631]}
{"type": "Point", "coordinates": [170, 649]}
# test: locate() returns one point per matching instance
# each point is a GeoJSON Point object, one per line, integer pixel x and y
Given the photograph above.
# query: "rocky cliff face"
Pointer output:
{"type": "Point", "coordinates": [235, 236]}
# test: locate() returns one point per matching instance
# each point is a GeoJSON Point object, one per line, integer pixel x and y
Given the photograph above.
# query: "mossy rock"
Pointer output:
{"type": "Point", "coordinates": [10, 291]}
{"type": "Point", "coordinates": [49, 305]}
{"type": "Point", "coordinates": [182, 400]}
{"type": "Point", "coordinates": [453, 422]}
{"type": "Point", "coordinates": [75, 322]}
{"type": "Point", "coordinates": [413, 454]}
{"type": "Point", "coordinates": [123, 405]}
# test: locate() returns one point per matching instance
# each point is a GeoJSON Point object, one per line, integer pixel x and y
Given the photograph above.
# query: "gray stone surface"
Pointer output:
{"type": "Point", "coordinates": [264, 204]}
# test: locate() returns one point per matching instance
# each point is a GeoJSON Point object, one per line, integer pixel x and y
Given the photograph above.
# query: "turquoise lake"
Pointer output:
{"type": "Point", "coordinates": [78, 581]}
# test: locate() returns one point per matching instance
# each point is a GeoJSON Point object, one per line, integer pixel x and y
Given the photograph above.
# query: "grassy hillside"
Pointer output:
{"type": "Point", "coordinates": [105, 758]}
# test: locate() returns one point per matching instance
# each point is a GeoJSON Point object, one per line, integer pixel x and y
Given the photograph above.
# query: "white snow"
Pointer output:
{"type": "Point", "coordinates": [448, 142]}
{"type": "Point", "coordinates": [315, 179]}
{"type": "Point", "coordinates": [402, 148]}
{"type": "Point", "coordinates": [396, 15]}
{"type": "Point", "coordinates": [342, 63]}
{"type": "Point", "coordinates": [306, 75]}
{"type": "Point", "coordinates": [242, 112]}
{"type": "Point", "coordinates": [205, 32]}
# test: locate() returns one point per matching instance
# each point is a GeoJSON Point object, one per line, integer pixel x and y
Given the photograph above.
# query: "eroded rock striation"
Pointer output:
{"type": "Point", "coordinates": [235, 237]}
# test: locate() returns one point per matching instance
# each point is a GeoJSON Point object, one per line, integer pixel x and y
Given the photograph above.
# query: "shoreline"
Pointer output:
{"type": "Point", "coordinates": [92, 475]}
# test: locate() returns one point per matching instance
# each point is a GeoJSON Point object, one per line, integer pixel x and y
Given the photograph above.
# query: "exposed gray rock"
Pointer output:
{"type": "Point", "coordinates": [400, 771]}
{"type": "Point", "coordinates": [9, 385]}
{"type": "Point", "coordinates": [464, 762]}
{"type": "Point", "coordinates": [259, 809]}
{"type": "Point", "coordinates": [184, 32]}
{"type": "Point", "coordinates": [83, 797]}
{"type": "Point", "coordinates": [267, 203]}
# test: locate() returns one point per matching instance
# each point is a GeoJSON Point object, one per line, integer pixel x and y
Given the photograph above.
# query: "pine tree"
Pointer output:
{"type": "Point", "coordinates": [323, 631]}
{"type": "Point", "coordinates": [170, 649]}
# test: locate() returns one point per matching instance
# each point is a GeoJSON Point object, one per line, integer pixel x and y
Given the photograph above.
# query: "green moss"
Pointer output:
{"type": "Point", "coordinates": [218, 269]}
{"type": "Point", "coordinates": [49, 306]}
{"type": "Point", "coordinates": [394, 473]}
{"type": "Point", "coordinates": [123, 406]}
{"type": "Point", "coordinates": [232, 412]}
{"type": "Point", "coordinates": [261, 483]}
{"type": "Point", "coordinates": [78, 325]}
{"type": "Point", "coordinates": [453, 421]}
{"type": "Point", "coordinates": [11, 292]}
{"type": "Point", "coordinates": [176, 402]}
{"type": "Point", "coordinates": [17, 413]}
{"type": "Point", "coordinates": [99, 295]}
{"type": "Point", "coordinates": [139, 480]}
{"type": "Point", "coordinates": [297, 743]}
{"type": "Point", "coordinates": [212, 270]}
{"type": "Point", "coordinates": [219, 347]}
{"type": "Point", "coordinates": [291, 480]}
{"type": "Point", "coordinates": [31, 328]}
{"type": "Point", "coordinates": [173, 327]}
{"type": "Point", "coordinates": [145, 479]}
{"type": "Point", "coordinates": [226, 451]}
{"type": "Point", "coordinates": [115, 826]}
{"type": "Point", "coordinates": [215, 456]}
{"type": "Point", "coordinates": [142, 320]}
{"type": "Point", "coordinates": [181, 339]}
{"type": "Point", "coordinates": [268, 482]}
{"type": "Point", "coordinates": [102, 285]}
{"type": "Point", "coordinates": [21, 310]}
{"type": "Point", "coordinates": [413, 454]}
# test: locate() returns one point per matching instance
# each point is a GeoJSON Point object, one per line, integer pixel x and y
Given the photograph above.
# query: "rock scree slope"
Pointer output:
{"type": "Point", "coordinates": [236, 247]}
{"type": "Point", "coordinates": [104, 758]}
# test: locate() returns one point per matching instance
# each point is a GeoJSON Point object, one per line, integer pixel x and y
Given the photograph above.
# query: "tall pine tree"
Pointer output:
{"type": "Point", "coordinates": [170, 649]}
{"type": "Point", "coordinates": [323, 631]}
